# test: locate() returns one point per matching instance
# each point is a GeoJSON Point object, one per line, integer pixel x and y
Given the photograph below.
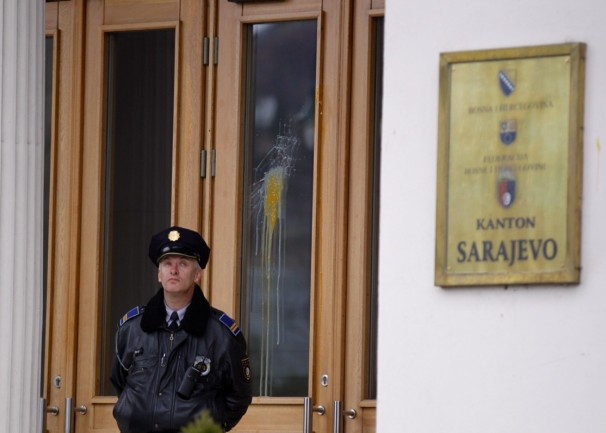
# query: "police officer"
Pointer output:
{"type": "Point", "coordinates": [178, 356]}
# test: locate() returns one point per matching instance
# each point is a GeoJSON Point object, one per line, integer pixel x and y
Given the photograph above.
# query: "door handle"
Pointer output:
{"type": "Point", "coordinates": [43, 409]}
{"type": "Point", "coordinates": [339, 413]}
{"type": "Point", "coordinates": [54, 411]}
{"type": "Point", "coordinates": [308, 410]}
{"type": "Point", "coordinates": [69, 413]}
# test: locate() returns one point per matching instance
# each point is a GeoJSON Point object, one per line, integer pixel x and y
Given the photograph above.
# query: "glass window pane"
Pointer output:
{"type": "Point", "coordinates": [378, 101]}
{"type": "Point", "coordinates": [138, 171]}
{"type": "Point", "coordinates": [48, 118]}
{"type": "Point", "coordinates": [279, 154]}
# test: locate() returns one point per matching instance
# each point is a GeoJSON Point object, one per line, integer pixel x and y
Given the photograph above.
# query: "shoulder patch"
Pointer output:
{"type": "Point", "coordinates": [132, 313]}
{"type": "Point", "coordinates": [229, 323]}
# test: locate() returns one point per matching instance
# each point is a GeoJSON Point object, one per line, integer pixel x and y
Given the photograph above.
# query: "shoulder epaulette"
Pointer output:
{"type": "Point", "coordinates": [229, 323]}
{"type": "Point", "coordinates": [132, 313]}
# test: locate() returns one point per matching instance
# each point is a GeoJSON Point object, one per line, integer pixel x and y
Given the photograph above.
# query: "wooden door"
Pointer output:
{"type": "Point", "coordinates": [360, 369]}
{"type": "Point", "coordinates": [144, 68]}
{"type": "Point", "coordinates": [128, 134]}
{"type": "Point", "coordinates": [278, 175]}
{"type": "Point", "coordinates": [295, 102]}
{"type": "Point", "coordinates": [64, 31]}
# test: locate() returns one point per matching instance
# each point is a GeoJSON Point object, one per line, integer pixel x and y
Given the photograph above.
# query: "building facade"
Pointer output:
{"type": "Point", "coordinates": [502, 358]}
{"type": "Point", "coordinates": [300, 137]}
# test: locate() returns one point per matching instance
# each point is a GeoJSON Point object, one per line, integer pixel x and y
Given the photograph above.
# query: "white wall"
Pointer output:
{"type": "Point", "coordinates": [21, 181]}
{"type": "Point", "coordinates": [522, 359]}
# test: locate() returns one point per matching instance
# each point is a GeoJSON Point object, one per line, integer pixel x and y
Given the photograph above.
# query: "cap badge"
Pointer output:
{"type": "Point", "coordinates": [174, 236]}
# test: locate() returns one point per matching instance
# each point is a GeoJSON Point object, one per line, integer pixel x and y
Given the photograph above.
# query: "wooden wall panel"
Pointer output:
{"type": "Point", "coordinates": [140, 11]}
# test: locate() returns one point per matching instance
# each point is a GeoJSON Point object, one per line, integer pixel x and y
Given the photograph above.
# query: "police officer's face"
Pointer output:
{"type": "Point", "coordinates": [178, 274]}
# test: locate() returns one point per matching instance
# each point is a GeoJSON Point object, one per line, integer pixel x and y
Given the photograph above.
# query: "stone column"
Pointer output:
{"type": "Point", "coordinates": [21, 181]}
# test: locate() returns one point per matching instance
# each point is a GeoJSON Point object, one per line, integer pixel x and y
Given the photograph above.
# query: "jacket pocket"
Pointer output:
{"type": "Point", "coordinates": [141, 372]}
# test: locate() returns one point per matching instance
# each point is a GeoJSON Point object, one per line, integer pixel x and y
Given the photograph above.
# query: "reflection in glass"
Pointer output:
{"type": "Point", "coordinates": [279, 153]}
{"type": "Point", "coordinates": [138, 172]}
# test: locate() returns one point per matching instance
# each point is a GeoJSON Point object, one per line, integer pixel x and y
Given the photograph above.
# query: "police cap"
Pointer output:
{"type": "Point", "coordinates": [178, 241]}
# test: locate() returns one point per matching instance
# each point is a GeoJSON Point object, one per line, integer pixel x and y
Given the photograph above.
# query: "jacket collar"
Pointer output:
{"type": "Point", "coordinates": [194, 321]}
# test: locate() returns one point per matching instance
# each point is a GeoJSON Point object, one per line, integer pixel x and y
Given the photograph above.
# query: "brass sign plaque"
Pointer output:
{"type": "Point", "coordinates": [510, 166]}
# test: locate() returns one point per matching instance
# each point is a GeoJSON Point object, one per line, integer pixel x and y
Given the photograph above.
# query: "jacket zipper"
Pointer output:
{"type": "Point", "coordinates": [171, 339]}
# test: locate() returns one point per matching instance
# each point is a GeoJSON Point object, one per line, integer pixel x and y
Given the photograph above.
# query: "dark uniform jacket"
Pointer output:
{"type": "Point", "coordinates": [151, 364]}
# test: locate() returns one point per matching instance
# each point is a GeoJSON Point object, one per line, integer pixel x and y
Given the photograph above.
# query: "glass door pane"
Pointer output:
{"type": "Point", "coordinates": [138, 171]}
{"type": "Point", "coordinates": [278, 189]}
{"type": "Point", "coordinates": [48, 143]}
{"type": "Point", "coordinates": [376, 146]}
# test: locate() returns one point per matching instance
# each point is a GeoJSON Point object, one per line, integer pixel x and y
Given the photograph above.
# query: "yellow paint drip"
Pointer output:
{"type": "Point", "coordinates": [268, 203]}
{"type": "Point", "coordinates": [274, 185]}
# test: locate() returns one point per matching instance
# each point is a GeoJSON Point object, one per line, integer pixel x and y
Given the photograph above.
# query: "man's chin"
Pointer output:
{"type": "Point", "coordinates": [175, 289]}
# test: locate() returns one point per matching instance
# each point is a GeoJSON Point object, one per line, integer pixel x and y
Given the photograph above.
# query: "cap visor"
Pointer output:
{"type": "Point", "coordinates": [172, 253]}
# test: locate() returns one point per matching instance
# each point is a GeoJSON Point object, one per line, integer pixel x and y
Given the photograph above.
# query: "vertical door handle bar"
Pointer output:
{"type": "Point", "coordinates": [42, 414]}
{"type": "Point", "coordinates": [42, 411]}
{"type": "Point", "coordinates": [339, 413]}
{"type": "Point", "coordinates": [308, 410]}
{"type": "Point", "coordinates": [69, 411]}
{"type": "Point", "coordinates": [336, 421]}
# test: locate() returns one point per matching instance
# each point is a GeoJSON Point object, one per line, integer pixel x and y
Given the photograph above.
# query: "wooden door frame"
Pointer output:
{"type": "Point", "coordinates": [329, 244]}
{"type": "Point", "coordinates": [228, 183]}
{"type": "Point", "coordinates": [64, 22]}
{"type": "Point", "coordinates": [360, 219]}
{"type": "Point", "coordinates": [75, 223]}
{"type": "Point", "coordinates": [189, 22]}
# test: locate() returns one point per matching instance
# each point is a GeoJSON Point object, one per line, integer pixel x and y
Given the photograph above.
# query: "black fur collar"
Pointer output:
{"type": "Point", "coordinates": [194, 321]}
